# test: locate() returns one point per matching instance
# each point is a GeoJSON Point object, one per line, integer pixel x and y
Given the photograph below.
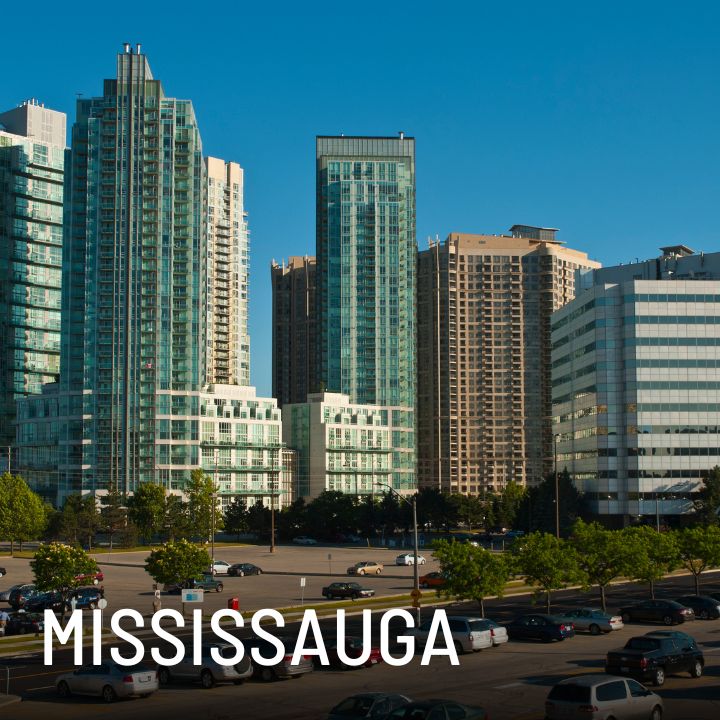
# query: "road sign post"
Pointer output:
{"type": "Point", "coordinates": [330, 563]}
{"type": "Point", "coordinates": [192, 595]}
{"type": "Point", "coordinates": [302, 591]}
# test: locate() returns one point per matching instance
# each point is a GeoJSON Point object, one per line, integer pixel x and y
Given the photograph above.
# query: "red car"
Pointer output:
{"type": "Point", "coordinates": [91, 578]}
{"type": "Point", "coordinates": [432, 580]}
{"type": "Point", "coordinates": [353, 649]}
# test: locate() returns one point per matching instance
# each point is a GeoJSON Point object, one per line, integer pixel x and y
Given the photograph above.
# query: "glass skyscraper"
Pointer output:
{"type": "Point", "coordinates": [32, 147]}
{"type": "Point", "coordinates": [365, 300]}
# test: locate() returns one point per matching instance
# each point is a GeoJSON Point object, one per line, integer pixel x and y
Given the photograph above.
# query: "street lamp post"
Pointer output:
{"type": "Point", "coordinates": [213, 497]}
{"type": "Point", "coordinates": [416, 578]}
{"type": "Point", "coordinates": [272, 514]}
{"type": "Point", "coordinates": [557, 490]}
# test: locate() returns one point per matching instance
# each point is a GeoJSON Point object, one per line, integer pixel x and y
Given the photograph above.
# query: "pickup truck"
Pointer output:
{"type": "Point", "coordinates": [346, 590]}
{"type": "Point", "coordinates": [206, 582]}
{"type": "Point", "coordinates": [654, 657]}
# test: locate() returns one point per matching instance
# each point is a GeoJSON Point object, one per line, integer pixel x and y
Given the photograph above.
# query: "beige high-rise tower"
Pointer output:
{"type": "Point", "coordinates": [483, 314]}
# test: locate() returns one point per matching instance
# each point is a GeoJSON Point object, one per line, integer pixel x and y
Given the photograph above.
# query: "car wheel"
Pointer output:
{"type": "Point", "coordinates": [163, 676]}
{"type": "Point", "coordinates": [626, 618]}
{"type": "Point", "coordinates": [258, 571]}
{"type": "Point", "coordinates": [267, 674]}
{"type": "Point", "coordinates": [206, 679]}
{"type": "Point", "coordinates": [361, 572]}
{"type": "Point", "coordinates": [668, 620]}
{"type": "Point", "coordinates": [378, 571]}
{"type": "Point", "coordinates": [63, 689]}
{"type": "Point", "coordinates": [697, 669]}
{"type": "Point", "coordinates": [93, 605]}
{"type": "Point", "coordinates": [594, 629]}
{"type": "Point", "coordinates": [656, 713]}
{"type": "Point", "coordinates": [219, 588]}
{"type": "Point", "coordinates": [703, 614]}
{"type": "Point", "coordinates": [658, 677]}
{"type": "Point", "coordinates": [459, 648]}
{"type": "Point", "coordinates": [108, 694]}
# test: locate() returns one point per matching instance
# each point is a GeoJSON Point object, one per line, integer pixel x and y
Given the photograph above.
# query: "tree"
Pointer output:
{"type": "Point", "coordinates": [113, 515]}
{"type": "Point", "coordinates": [435, 509]}
{"type": "Point", "coordinates": [707, 504]}
{"type": "Point", "coordinates": [202, 501]}
{"type": "Point", "coordinates": [79, 519]}
{"type": "Point", "coordinates": [331, 513]}
{"type": "Point", "coordinates": [235, 519]}
{"type": "Point", "coordinates": [146, 509]}
{"type": "Point", "coordinates": [468, 509]}
{"type": "Point", "coordinates": [472, 573]}
{"type": "Point", "coordinates": [22, 512]}
{"type": "Point", "coordinates": [546, 561]}
{"type": "Point", "coordinates": [537, 510]}
{"type": "Point", "coordinates": [176, 562]}
{"type": "Point", "coordinates": [602, 556]}
{"type": "Point", "coordinates": [176, 520]}
{"type": "Point", "coordinates": [699, 550]}
{"type": "Point", "coordinates": [507, 505]}
{"type": "Point", "coordinates": [61, 567]}
{"type": "Point", "coordinates": [651, 554]}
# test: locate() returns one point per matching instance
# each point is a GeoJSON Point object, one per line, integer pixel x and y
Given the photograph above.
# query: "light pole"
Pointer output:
{"type": "Point", "coordinates": [9, 449]}
{"type": "Point", "coordinates": [416, 579]}
{"type": "Point", "coordinates": [213, 497]}
{"type": "Point", "coordinates": [557, 491]}
{"type": "Point", "coordinates": [657, 512]}
{"type": "Point", "coordinates": [272, 513]}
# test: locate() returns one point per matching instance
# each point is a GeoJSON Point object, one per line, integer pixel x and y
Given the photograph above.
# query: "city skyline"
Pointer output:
{"type": "Point", "coordinates": [566, 133]}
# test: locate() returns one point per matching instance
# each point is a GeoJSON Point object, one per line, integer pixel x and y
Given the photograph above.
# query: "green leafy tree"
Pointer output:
{"type": "Point", "coordinates": [146, 509]}
{"type": "Point", "coordinates": [22, 512]}
{"type": "Point", "coordinates": [60, 567]}
{"type": "Point", "coordinates": [113, 514]}
{"type": "Point", "coordinates": [290, 521]}
{"type": "Point", "coordinates": [79, 520]}
{"type": "Point", "coordinates": [547, 562]}
{"type": "Point", "coordinates": [331, 513]}
{"type": "Point", "coordinates": [235, 518]}
{"type": "Point", "coordinates": [176, 562]}
{"type": "Point", "coordinates": [472, 573]}
{"type": "Point", "coordinates": [468, 509]}
{"type": "Point", "coordinates": [699, 550]}
{"type": "Point", "coordinates": [259, 520]}
{"type": "Point", "coordinates": [707, 504]}
{"type": "Point", "coordinates": [434, 508]}
{"type": "Point", "coordinates": [537, 509]}
{"type": "Point", "coordinates": [651, 554]}
{"type": "Point", "coordinates": [602, 554]}
{"type": "Point", "coordinates": [507, 504]}
{"type": "Point", "coordinates": [202, 500]}
{"type": "Point", "coordinates": [176, 522]}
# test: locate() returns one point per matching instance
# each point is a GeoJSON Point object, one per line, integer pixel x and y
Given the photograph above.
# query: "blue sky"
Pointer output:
{"type": "Point", "coordinates": [599, 118]}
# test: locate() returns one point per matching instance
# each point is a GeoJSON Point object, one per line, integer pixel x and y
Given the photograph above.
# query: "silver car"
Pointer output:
{"type": "Point", "coordinates": [109, 681]}
{"type": "Point", "coordinates": [599, 697]}
{"type": "Point", "coordinates": [209, 673]}
{"type": "Point", "coordinates": [593, 620]}
{"type": "Point", "coordinates": [469, 633]}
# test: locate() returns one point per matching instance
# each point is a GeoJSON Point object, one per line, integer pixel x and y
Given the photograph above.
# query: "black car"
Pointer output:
{"type": "Point", "coordinates": [539, 627]}
{"type": "Point", "coordinates": [242, 569]}
{"type": "Point", "coordinates": [374, 705]}
{"type": "Point", "coordinates": [431, 709]}
{"type": "Point", "coordinates": [24, 623]}
{"type": "Point", "coordinates": [19, 595]}
{"type": "Point", "coordinates": [668, 612]}
{"type": "Point", "coordinates": [350, 590]}
{"type": "Point", "coordinates": [704, 606]}
{"type": "Point", "coordinates": [45, 601]}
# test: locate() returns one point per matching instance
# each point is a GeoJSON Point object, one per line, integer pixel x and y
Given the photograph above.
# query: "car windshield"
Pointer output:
{"type": "Point", "coordinates": [570, 693]}
{"type": "Point", "coordinates": [353, 706]}
{"type": "Point", "coordinates": [642, 644]}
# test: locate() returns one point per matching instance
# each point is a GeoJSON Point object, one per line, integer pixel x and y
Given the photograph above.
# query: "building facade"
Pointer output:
{"type": "Point", "coordinates": [32, 159]}
{"type": "Point", "coordinates": [484, 307]}
{"type": "Point", "coordinates": [366, 258]}
{"type": "Point", "coordinates": [341, 446]}
{"type": "Point", "coordinates": [294, 339]}
{"type": "Point", "coordinates": [636, 385]}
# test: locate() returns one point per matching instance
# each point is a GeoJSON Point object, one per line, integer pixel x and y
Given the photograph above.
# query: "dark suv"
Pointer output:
{"type": "Point", "coordinates": [668, 612]}
{"type": "Point", "coordinates": [45, 601]}
{"type": "Point", "coordinates": [86, 597]}
{"type": "Point", "coordinates": [20, 595]}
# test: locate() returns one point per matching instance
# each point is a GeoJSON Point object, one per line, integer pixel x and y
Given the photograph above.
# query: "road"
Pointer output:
{"type": "Point", "coordinates": [511, 681]}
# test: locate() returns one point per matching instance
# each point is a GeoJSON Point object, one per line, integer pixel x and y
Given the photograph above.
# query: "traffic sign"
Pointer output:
{"type": "Point", "coordinates": [302, 582]}
{"type": "Point", "coordinates": [193, 596]}
{"type": "Point", "coordinates": [102, 603]}
{"type": "Point", "coordinates": [415, 594]}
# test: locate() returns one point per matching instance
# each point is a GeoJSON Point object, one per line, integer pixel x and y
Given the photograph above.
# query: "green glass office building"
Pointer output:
{"type": "Point", "coordinates": [365, 299]}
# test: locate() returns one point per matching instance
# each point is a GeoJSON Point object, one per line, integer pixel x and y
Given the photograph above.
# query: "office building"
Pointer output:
{"type": "Point", "coordinates": [294, 342]}
{"type": "Point", "coordinates": [365, 279]}
{"type": "Point", "coordinates": [636, 385]}
{"type": "Point", "coordinates": [484, 307]}
{"type": "Point", "coordinates": [32, 147]}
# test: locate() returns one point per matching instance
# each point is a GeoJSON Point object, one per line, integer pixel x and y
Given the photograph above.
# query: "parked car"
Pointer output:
{"type": "Point", "coordinates": [668, 612]}
{"type": "Point", "coordinates": [374, 705]}
{"type": "Point", "coordinates": [539, 627]}
{"type": "Point", "coordinates": [94, 578]}
{"type": "Point", "coordinates": [20, 594]}
{"type": "Point", "coordinates": [431, 709]}
{"type": "Point", "coordinates": [209, 673]}
{"type": "Point", "coordinates": [366, 567]}
{"type": "Point", "coordinates": [5, 594]}
{"type": "Point", "coordinates": [469, 634]}
{"type": "Point", "coordinates": [206, 582]}
{"type": "Point", "coordinates": [599, 697]}
{"type": "Point", "coordinates": [3, 572]}
{"type": "Point", "coordinates": [704, 606]}
{"type": "Point", "coordinates": [592, 620]}
{"type": "Point", "coordinates": [39, 602]}
{"type": "Point", "coordinates": [281, 670]}
{"type": "Point", "coordinates": [220, 567]}
{"type": "Point", "coordinates": [353, 649]}
{"type": "Point", "coordinates": [409, 559]}
{"type": "Point", "coordinates": [109, 681]}
{"type": "Point", "coordinates": [87, 597]}
{"type": "Point", "coordinates": [432, 580]}
{"type": "Point", "coordinates": [304, 540]}
{"type": "Point", "coordinates": [242, 569]}
{"type": "Point", "coordinates": [24, 623]}
{"type": "Point", "coordinates": [498, 633]}
{"type": "Point", "coordinates": [342, 590]}
{"type": "Point", "coordinates": [654, 657]}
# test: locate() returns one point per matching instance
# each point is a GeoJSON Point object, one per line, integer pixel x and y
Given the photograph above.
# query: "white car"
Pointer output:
{"type": "Point", "coordinates": [409, 559]}
{"type": "Point", "coordinates": [220, 567]}
{"type": "Point", "coordinates": [469, 634]}
{"type": "Point", "coordinates": [109, 680]}
{"type": "Point", "coordinates": [497, 632]}
{"type": "Point", "coordinates": [304, 540]}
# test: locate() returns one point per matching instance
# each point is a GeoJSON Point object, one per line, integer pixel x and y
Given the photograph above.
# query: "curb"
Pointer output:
{"type": "Point", "coordinates": [9, 700]}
